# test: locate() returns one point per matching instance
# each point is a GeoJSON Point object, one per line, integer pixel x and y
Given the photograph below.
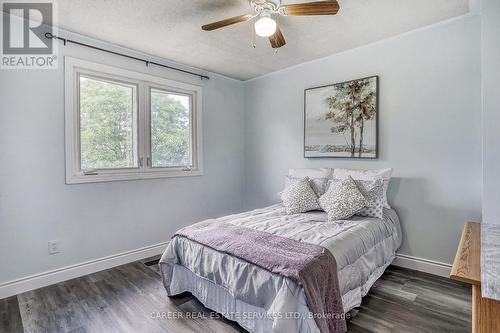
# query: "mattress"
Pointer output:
{"type": "Point", "coordinates": [261, 301]}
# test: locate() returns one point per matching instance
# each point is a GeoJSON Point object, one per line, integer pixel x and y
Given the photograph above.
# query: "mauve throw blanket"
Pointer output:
{"type": "Point", "coordinates": [310, 265]}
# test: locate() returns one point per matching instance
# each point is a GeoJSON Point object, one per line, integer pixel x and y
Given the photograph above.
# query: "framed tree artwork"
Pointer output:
{"type": "Point", "coordinates": [341, 120]}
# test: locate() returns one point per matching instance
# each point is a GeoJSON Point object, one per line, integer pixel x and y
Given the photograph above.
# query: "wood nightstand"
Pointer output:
{"type": "Point", "coordinates": [467, 268]}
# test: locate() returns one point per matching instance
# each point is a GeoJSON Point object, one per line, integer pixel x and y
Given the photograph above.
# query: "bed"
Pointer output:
{"type": "Point", "coordinates": [262, 301]}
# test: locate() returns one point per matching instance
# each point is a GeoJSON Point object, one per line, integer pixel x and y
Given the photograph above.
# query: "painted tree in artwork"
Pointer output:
{"type": "Point", "coordinates": [352, 105]}
{"type": "Point", "coordinates": [367, 111]}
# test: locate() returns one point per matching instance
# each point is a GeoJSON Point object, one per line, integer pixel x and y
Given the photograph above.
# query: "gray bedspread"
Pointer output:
{"type": "Point", "coordinates": [363, 248]}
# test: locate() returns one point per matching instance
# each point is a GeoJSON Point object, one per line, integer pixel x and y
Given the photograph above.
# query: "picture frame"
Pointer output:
{"type": "Point", "coordinates": [341, 119]}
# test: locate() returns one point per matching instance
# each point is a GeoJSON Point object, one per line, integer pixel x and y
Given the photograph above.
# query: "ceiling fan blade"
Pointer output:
{"type": "Point", "coordinates": [330, 7]}
{"type": "Point", "coordinates": [277, 40]}
{"type": "Point", "coordinates": [226, 22]}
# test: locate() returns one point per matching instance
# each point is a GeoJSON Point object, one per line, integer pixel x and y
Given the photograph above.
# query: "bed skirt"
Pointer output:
{"type": "Point", "coordinates": [254, 319]}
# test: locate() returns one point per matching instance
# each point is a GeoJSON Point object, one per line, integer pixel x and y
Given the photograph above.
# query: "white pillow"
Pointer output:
{"type": "Point", "coordinates": [384, 174]}
{"type": "Point", "coordinates": [310, 172]}
{"type": "Point", "coordinates": [362, 174]}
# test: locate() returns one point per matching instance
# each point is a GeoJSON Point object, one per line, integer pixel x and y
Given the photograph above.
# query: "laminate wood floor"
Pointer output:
{"type": "Point", "coordinates": [131, 298]}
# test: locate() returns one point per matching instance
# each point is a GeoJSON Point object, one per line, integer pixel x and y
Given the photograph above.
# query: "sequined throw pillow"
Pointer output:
{"type": "Point", "coordinates": [319, 185]}
{"type": "Point", "coordinates": [343, 199]}
{"type": "Point", "coordinates": [299, 197]}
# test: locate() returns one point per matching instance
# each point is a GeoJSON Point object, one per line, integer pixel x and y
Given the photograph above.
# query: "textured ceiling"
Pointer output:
{"type": "Point", "coordinates": [172, 29]}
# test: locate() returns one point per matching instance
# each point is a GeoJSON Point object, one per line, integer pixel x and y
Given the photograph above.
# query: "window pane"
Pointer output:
{"type": "Point", "coordinates": [170, 129]}
{"type": "Point", "coordinates": [107, 125]}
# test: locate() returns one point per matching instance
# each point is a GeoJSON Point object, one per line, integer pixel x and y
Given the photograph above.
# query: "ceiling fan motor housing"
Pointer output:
{"type": "Point", "coordinates": [268, 5]}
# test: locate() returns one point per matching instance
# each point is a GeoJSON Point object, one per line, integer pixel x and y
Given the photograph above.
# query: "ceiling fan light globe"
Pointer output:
{"type": "Point", "coordinates": [265, 27]}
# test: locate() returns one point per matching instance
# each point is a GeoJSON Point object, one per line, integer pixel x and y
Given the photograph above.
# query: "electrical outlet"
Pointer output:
{"type": "Point", "coordinates": [54, 247]}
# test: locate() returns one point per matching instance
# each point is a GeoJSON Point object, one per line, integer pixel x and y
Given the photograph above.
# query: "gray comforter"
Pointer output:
{"type": "Point", "coordinates": [362, 247]}
{"type": "Point", "coordinates": [309, 265]}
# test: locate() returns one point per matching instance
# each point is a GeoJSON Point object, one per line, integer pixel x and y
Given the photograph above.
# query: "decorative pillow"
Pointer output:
{"type": "Point", "coordinates": [343, 199]}
{"type": "Point", "coordinates": [373, 190]}
{"type": "Point", "coordinates": [385, 174]}
{"type": "Point", "coordinates": [319, 185]}
{"type": "Point", "coordinates": [299, 197]}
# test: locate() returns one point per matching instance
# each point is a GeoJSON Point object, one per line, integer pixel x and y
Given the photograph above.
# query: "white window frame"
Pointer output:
{"type": "Point", "coordinates": [74, 175]}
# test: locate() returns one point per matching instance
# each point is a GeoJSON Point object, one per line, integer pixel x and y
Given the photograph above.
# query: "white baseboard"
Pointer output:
{"type": "Point", "coordinates": [44, 279]}
{"type": "Point", "coordinates": [423, 265]}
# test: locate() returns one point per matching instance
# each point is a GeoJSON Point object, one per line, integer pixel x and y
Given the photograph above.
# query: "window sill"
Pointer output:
{"type": "Point", "coordinates": [72, 179]}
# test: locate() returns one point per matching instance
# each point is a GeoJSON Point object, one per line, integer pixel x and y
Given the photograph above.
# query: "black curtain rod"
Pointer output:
{"type": "Point", "coordinates": [48, 35]}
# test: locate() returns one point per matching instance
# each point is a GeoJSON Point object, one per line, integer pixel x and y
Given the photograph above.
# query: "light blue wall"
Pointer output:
{"type": "Point", "coordinates": [253, 132]}
{"type": "Point", "coordinates": [430, 129]}
{"type": "Point", "coordinates": [96, 220]}
{"type": "Point", "coordinates": [490, 19]}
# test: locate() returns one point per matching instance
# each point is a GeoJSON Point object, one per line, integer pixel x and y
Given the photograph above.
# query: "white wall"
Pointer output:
{"type": "Point", "coordinates": [490, 21]}
{"type": "Point", "coordinates": [429, 121]}
{"type": "Point", "coordinates": [96, 220]}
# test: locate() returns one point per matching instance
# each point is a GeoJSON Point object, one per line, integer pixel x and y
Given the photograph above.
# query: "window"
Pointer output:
{"type": "Point", "coordinates": [170, 130]}
{"type": "Point", "coordinates": [108, 124]}
{"type": "Point", "coordinates": [123, 125]}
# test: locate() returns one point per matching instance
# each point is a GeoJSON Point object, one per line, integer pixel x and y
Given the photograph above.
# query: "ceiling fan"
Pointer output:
{"type": "Point", "coordinates": [266, 25]}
